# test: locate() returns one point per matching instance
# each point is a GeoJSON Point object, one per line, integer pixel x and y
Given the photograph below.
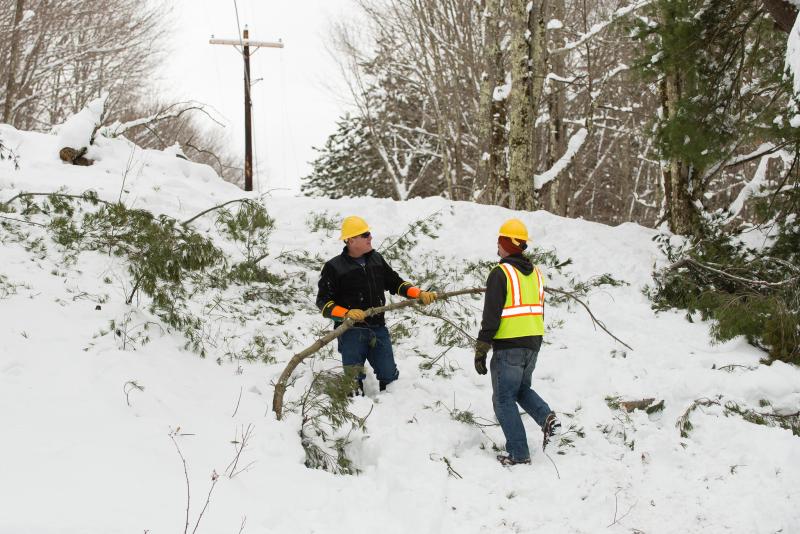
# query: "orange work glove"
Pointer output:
{"type": "Point", "coordinates": [356, 315]}
{"type": "Point", "coordinates": [426, 297]}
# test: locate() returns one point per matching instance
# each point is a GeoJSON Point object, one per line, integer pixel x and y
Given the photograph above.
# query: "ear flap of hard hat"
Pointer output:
{"type": "Point", "coordinates": [353, 226]}
{"type": "Point", "coordinates": [519, 243]}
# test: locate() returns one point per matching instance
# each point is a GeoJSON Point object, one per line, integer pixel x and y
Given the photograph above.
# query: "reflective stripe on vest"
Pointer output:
{"type": "Point", "coordinates": [523, 312]}
{"type": "Point", "coordinates": [516, 311]}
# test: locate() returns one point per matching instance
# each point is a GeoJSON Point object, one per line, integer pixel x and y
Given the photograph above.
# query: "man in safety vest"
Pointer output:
{"type": "Point", "coordinates": [513, 326]}
{"type": "Point", "coordinates": [352, 282]}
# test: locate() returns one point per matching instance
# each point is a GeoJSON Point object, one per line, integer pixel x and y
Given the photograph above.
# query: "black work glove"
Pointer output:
{"type": "Point", "coordinates": [481, 349]}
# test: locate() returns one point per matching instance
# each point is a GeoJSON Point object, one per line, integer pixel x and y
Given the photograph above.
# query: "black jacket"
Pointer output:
{"type": "Point", "coordinates": [493, 306]}
{"type": "Point", "coordinates": [345, 283]}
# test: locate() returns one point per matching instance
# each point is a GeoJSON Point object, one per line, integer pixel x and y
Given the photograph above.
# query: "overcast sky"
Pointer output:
{"type": "Point", "coordinates": [299, 97]}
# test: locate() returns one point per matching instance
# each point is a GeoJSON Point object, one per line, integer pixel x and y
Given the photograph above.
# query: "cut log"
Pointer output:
{"type": "Point", "coordinates": [74, 156]}
{"type": "Point", "coordinates": [631, 405]}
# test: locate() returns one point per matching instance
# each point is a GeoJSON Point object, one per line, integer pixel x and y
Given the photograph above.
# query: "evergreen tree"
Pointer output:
{"type": "Point", "coordinates": [723, 94]}
{"type": "Point", "coordinates": [720, 66]}
{"type": "Point", "coordinates": [387, 149]}
{"type": "Point", "coordinates": [347, 165]}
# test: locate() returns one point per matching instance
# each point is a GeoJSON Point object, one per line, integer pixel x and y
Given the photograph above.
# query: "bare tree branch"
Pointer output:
{"type": "Point", "coordinates": [595, 320]}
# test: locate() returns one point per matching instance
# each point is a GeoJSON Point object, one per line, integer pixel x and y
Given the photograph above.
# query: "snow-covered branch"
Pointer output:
{"type": "Point", "coordinates": [170, 112]}
{"type": "Point", "coordinates": [600, 26]}
{"type": "Point", "coordinates": [764, 150]}
{"type": "Point", "coordinates": [574, 144]}
{"type": "Point", "coordinates": [756, 187]}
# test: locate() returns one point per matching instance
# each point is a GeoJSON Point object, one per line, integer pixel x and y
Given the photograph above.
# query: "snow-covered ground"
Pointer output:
{"type": "Point", "coordinates": [78, 455]}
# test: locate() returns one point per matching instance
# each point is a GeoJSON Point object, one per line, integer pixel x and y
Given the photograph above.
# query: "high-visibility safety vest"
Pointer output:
{"type": "Point", "coordinates": [523, 311]}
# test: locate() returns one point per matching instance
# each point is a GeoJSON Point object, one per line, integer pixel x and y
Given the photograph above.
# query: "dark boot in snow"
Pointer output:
{"type": "Point", "coordinates": [507, 460]}
{"type": "Point", "coordinates": [357, 391]}
{"type": "Point", "coordinates": [551, 429]}
{"type": "Point", "coordinates": [382, 385]}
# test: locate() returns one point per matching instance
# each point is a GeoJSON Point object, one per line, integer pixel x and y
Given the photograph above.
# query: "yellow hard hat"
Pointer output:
{"type": "Point", "coordinates": [515, 229]}
{"type": "Point", "coordinates": [353, 226]}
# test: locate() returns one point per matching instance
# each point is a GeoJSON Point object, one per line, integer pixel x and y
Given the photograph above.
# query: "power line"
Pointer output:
{"type": "Point", "coordinates": [238, 25]}
{"type": "Point", "coordinates": [288, 125]}
{"type": "Point", "coordinates": [218, 85]}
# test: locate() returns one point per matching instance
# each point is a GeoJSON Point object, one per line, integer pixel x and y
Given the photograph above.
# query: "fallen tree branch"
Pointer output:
{"type": "Point", "coordinates": [209, 210]}
{"type": "Point", "coordinates": [55, 194]}
{"type": "Point", "coordinates": [595, 320]}
{"type": "Point", "coordinates": [442, 318]}
{"type": "Point", "coordinates": [775, 415]}
{"type": "Point", "coordinates": [22, 221]}
{"type": "Point", "coordinates": [641, 404]}
{"type": "Point", "coordinates": [450, 471]}
{"type": "Point", "coordinates": [280, 386]}
{"type": "Point", "coordinates": [747, 281]}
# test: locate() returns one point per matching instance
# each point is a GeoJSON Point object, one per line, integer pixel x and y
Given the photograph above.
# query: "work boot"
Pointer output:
{"type": "Point", "coordinates": [507, 460]}
{"type": "Point", "coordinates": [357, 391]}
{"type": "Point", "coordinates": [382, 385]}
{"type": "Point", "coordinates": [551, 429]}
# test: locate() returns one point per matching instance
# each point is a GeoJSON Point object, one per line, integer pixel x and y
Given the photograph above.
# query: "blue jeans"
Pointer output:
{"type": "Point", "coordinates": [511, 384]}
{"type": "Point", "coordinates": [371, 344]}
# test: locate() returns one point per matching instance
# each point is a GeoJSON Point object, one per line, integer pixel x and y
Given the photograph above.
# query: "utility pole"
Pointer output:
{"type": "Point", "coordinates": [245, 43]}
{"type": "Point", "coordinates": [12, 64]}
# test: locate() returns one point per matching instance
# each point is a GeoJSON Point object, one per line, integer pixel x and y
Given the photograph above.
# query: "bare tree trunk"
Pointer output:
{"type": "Point", "coordinates": [557, 192]}
{"type": "Point", "coordinates": [782, 12]}
{"type": "Point", "coordinates": [682, 215]}
{"type": "Point", "coordinates": [458, 160]}
{"type": "Point", "coordinates": [520, 136]}
{"type": "Point", "coordinates": [527, 43]}
{"type": "Point", "coordinates": [12, 63]}
{"type": "Point", "coordinates": [492, 116]}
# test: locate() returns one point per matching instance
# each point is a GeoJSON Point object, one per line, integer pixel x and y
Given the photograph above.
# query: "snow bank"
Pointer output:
{"type": "Point", "coordinates": [82, 444]}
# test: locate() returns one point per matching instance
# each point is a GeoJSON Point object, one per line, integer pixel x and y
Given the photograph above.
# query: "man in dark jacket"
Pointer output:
{"type": "Point", "coordinates": [513, 326]}
{"type": "Point", "coordinates": [352, 282]}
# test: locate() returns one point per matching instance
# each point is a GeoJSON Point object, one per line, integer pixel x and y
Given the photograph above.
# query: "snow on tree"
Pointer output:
{"type": "Point", "coordinates": [79, 129]}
